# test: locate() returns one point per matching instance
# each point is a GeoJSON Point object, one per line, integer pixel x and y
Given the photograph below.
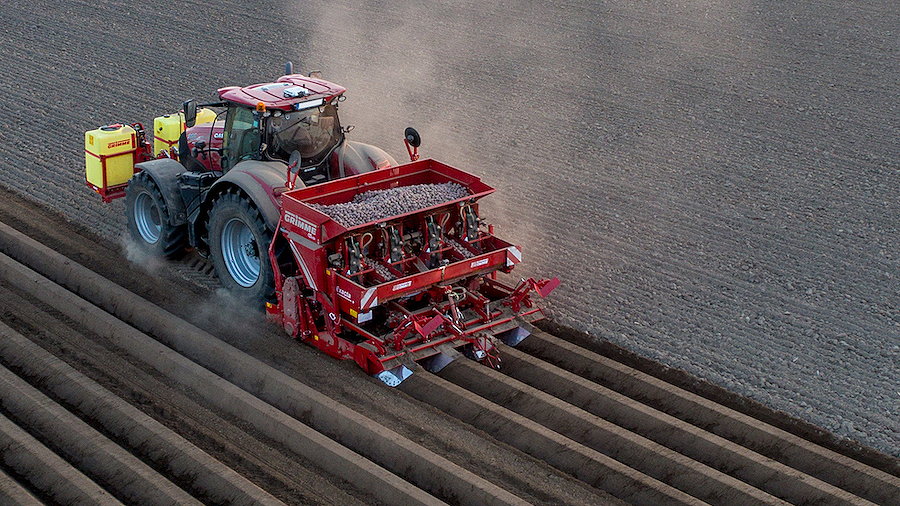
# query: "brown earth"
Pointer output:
{"type": "Point", "coordinates": [279, 471]}
{"type": "Point", "coordinates": [715, 184]}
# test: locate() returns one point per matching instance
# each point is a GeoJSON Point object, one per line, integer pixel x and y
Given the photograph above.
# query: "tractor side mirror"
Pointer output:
{"type": "Point", "coordinates": [412, 137]}
{"type": "Point", "coordinates": [294, 161]}
{"type": "Point", "coordinates": [190, 113]}
{"type": "Point", "coordinates": [412, 141]}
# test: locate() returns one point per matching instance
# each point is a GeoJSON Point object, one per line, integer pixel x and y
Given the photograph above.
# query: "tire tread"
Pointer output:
{"type": "Point", "coordinates": [172, 238]}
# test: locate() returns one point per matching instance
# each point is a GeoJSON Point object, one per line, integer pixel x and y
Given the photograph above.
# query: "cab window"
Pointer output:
{"type": "Point", "coordinates": [313, 132]}
{"type": "Point", "coordinates": [241, 141]}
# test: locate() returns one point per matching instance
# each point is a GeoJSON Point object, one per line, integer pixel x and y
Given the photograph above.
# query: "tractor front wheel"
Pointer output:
{"type": "Point", "coordinates": [148, 219]}
{"type": "Point", "coordinates": [239, 246]}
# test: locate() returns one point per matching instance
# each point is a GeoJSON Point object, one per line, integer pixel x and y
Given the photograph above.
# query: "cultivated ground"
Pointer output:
{"type": "Point", "coordinates": [715, 184]}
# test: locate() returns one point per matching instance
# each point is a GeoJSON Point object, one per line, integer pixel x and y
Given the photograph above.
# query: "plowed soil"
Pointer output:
{"type": "Point", "coordinates": [715, 184]}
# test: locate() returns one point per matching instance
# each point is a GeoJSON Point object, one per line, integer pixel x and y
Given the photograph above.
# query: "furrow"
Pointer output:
{"type": "Point", "coordinates": [826, 465]}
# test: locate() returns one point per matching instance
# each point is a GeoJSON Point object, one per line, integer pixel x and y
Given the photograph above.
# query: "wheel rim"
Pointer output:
{"type": "Point", "coordinates": [146, 217]}
{"type": "Point", "coordinates": [240, 253]}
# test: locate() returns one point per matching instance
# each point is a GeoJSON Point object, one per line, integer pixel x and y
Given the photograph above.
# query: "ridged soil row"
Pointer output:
{"type": "Point", "coordinates": [271, 466]}
{"type": "Point", "coordinates": [548, 394]}
{"type": "Point", "coordinates": [271, 389]}
{"type": "Point", "coordinates": [117, 470]}
{"type": "Point", "coordinates": [578, 460]}
{"type": "Point", "coordinates": [45, 471]}
{"type": "Point", "coordinates": [209, 478]}
{"type": "Point", "coordinates": [484, 389]}
{"type": "Point", "coordinates": [749, 448]}
{"type": "Point", "coordinates": [12, 492]}
{"type": "Point", "coordinates": [527, 477]}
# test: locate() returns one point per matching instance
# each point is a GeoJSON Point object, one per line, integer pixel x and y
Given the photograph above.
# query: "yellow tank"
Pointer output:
{"type": "Point", "coordinates": [205, 116]}
{"type": "Point", "coordinates": [167, 129]}
{"type": "Point", "coordinates": [109, 156]}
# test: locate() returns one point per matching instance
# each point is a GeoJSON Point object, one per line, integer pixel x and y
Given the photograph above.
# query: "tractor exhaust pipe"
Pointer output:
{"type": "Point", "coordinates": [288, 67]}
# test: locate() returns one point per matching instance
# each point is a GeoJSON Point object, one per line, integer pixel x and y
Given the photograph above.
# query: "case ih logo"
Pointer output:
{"type": "Point", "coordinates": [123, 142]}
{"type": "Point", "coordinates": [300, 223]}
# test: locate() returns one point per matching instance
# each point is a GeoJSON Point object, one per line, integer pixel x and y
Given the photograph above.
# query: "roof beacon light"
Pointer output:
{"type": "Point", "coordinates": [260, 107]}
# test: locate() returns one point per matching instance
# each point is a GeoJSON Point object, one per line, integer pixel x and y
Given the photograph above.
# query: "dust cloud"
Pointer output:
{"type": "Point", "coordinates": [399, 74]}
{"type": "Point", "coordinates": [226, 311]}
{"type": "Point", "coordinates": [140, 257]}
{"type": "Point", "coordinates": [222, 309]}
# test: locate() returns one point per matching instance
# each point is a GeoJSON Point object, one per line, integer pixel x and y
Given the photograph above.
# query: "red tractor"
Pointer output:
{"type": "Point", "coordinates": [368, 260]}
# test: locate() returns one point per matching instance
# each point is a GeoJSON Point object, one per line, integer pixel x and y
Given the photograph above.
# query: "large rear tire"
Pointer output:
{"type": "Point", "coordinates": [148, 219]}
{"type": "Point", "coordinates": [239, 246]}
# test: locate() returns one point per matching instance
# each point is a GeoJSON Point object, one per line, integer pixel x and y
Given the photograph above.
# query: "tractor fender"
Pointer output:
{"type": "Point", "coordinates": [357, 158]}
{"type": "Point", "coordinates": [261, 181]}
{"type": "Point", "coordinates": [164, 172]}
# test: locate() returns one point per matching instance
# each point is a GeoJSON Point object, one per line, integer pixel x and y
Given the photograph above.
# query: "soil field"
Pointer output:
{"type": "Point", "coordinates": [715, 184]}
{"type": "Point", "coordinates": [368, 434]}
{"type": "Point", "coordinates": [93, 373]}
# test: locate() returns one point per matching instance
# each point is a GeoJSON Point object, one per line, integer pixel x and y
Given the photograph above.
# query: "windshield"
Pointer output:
{"type": "Point", "coordinates": [312, 132]}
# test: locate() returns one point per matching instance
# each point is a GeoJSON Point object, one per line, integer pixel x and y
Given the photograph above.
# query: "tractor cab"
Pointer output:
{"type": "Point", "coordinates": [270, 122]}
{"type": "Point", "coordinates": [211, 179]}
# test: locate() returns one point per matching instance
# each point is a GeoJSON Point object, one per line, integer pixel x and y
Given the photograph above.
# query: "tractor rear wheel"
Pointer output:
{"type": "Point", "coordinates": [239, 247]}
{"type": "Point", "coordinates": [148, 219]}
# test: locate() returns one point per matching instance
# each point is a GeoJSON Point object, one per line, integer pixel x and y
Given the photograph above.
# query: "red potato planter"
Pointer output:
{"type": "Point", "coordinates": [366, 259]}
{"type": "Point", "coordinates": [386, 312]}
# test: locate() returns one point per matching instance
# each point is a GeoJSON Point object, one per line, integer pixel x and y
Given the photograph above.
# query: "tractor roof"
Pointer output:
{"type": "Point", "coordinates": [290, 92]}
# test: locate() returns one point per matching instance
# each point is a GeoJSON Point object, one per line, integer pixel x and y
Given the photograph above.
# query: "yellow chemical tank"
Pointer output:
{"type": "Point", "coordinates": [167, 129]}
{"type": "Point", "coordinates": [109, 156]}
